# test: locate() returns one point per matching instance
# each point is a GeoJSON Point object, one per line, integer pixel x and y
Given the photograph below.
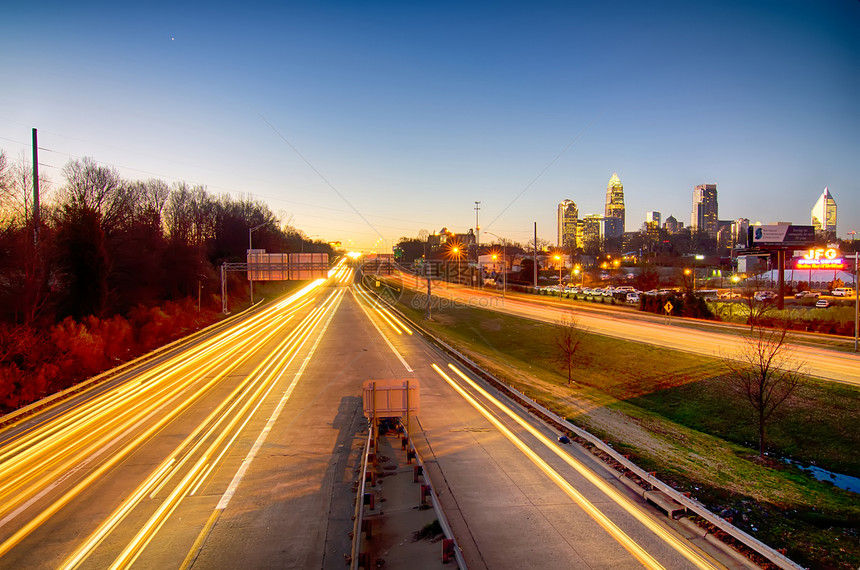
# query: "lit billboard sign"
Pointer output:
{"type": "Point", "coordinates": [821, 259]}
{"type": "Point", "coordinates": [782, 235]}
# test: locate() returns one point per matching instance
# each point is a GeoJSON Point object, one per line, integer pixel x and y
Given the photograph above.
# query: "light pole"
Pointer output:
{"type": "Point", "coordinates": [504, 262]}
{"type": "Point", "coordinates": [557, 259]}
{"type": "Point", "coordinates": [251, 247]}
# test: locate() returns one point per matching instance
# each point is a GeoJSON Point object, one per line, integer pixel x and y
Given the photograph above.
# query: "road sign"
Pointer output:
{"type": "Point", "coordinates": [668, 306]}
{"type": "Point", "coordinates": [390, 398]}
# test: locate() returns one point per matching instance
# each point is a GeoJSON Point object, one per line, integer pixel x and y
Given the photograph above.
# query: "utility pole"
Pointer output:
{"type": "Point", "coordinates": [35, 189]}
{"type": "Point", "coordinates": [536, 267]}
{"type": "Point", "coordinates": [477, 225]}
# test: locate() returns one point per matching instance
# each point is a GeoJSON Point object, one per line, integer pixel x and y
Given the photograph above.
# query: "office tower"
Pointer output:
{"type": "Point", "coordinates": [704, 216]}
{"type": "Point", "coordinates": [568, 214]}
{"type": "Point", "coordinates": [592, 232]}
{"type": "Point", "coordinates": [672, 225]}
{"type": "Point", "coordinates": [824, 213]}
{"type": "Point", "coordinates": [653, 218]}
{"type": "Point", "coordinates": [739, 231]}
{"type": "Point", "coordinates": [615, 202]}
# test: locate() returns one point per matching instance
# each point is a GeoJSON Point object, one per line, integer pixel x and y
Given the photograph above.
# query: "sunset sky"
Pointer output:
{"type": "Point", "coordinates": [369, 121]}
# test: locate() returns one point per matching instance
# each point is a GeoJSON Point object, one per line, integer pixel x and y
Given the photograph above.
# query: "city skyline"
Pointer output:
{"type": "Point", "coordinates": [370, 122]}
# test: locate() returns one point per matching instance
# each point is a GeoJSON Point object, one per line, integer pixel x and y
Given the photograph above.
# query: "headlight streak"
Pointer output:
{"type": "Point", "coordinates": [261, 381]}
{"type": "Point", "coordinates": [134, 549]}
{"type": "Point", "coordinates": [619, 535]}
{"type": "Point", "coordinates": [124, 417]}
{"type": "Point", "coordinates": [384, 313]}
{"type": "Point", "coordinates": [101, 431]}
{"type": "Point", "coordinates": [678, 545]}
{"type": "Point", "coordinates": [379, 330]}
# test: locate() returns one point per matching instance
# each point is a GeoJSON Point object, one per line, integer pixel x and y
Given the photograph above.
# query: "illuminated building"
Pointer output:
{"type": "Point", "coordinates": [704, 216]}
{"type": "Point", "coordinates": [615, 203]}
{"type": "Point", "coordinates": [592, 230]}
{"type": "Point", "coordinates": [672, 225]}
{"type": "Point", "coordinates": [568, 216]}
{"type": "Point", "coordinates": [824, 213]}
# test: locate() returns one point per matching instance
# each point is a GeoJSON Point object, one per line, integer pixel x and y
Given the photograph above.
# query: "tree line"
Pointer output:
{"type": "Point", "coordinates": [113, 268]}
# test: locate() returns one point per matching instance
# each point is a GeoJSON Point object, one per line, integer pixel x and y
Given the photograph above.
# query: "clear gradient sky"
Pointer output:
{"type": "Point", "coordinates": [367, 120]}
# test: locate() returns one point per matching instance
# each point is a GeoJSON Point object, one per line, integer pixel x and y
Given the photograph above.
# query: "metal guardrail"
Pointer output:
{"type": "Point", "coordinates": [691, 504]}
{"type": "Point", "coordinates": [358, 516]}
{"type": "Point", "coordinates": [437, 507]}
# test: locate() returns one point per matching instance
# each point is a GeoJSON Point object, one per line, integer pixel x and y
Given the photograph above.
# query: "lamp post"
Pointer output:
{"type": "Point", "coordinates": [504, 262]}
{"type": "Point", "coordinates": [251, 247]}
{"type": "Point", "coordinates": [456, 251]}
{"type": "Point", "coordinates": [558, 259]}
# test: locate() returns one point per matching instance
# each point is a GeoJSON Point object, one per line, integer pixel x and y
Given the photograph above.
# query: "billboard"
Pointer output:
{"type": "Point", "coordinates": [821, 259]}
{"type": "Point", "coordinates": [781, 235]}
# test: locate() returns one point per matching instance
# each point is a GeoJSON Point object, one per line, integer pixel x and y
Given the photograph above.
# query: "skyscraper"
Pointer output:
{"type": "Point", "coordinates": [824, 213]}
{"type": "Point", "coordinates": [704, 217]}
{"type": "Point", "coordinates": [568, 214]}
{"type": "Point", "coordinates": [653, 218]}
{"type": "Point", "coordinates": [615, 201]}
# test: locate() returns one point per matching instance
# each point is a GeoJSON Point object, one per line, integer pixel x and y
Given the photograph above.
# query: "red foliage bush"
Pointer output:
{"type": "Point", "coordinates": [33, 364]}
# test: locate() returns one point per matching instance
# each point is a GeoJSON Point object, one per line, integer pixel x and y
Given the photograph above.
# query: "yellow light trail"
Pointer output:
{"type": "Point", "coordinates": [262, 381]}
{"type": "Point", "coordinates": [55, 447]}
{"type": "Point", "coordinates": [671, 539]}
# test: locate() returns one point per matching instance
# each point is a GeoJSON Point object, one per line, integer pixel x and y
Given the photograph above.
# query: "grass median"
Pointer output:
{"type": "Point", "coordinates": [674, 413]}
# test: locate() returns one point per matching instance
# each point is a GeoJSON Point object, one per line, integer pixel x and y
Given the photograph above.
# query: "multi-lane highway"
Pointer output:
{"type": "Point", "coordinates": [238, 450]}
{"type": "Point", "coordinates": [822, 363]}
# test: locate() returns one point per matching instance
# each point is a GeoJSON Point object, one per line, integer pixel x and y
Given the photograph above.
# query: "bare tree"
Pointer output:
{"type": "Point", "coordinates": [569, 335]}
{"type": "Point", "coordinates": [757, 308]}
{"type": "Point", "coordinates": [765, 372]}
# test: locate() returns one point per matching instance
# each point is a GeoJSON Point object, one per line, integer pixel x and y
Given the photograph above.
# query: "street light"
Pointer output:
{"type": "Point", "coordinates": [557, 259]}
{"type": "Point", "coordinates": [457, 252]}
{"type": "Point", "coordinates": [251, 247]}
{"type": "Point", "coordinates": [504, 262]}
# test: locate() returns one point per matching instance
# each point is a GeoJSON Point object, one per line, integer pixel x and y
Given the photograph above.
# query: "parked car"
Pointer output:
{"type": "Point", "coordinates": [822, 303]}
{"type": "Point", "coordinates": [632, 298]}
{"type": "Point", "coordinates": [764, 296]}
{"type": "Point", "coordinates": [730, 295]}
{"type": "Point", "coordinates": [843, 292]}
{"type": "Point", "coordinates": [806, 295]}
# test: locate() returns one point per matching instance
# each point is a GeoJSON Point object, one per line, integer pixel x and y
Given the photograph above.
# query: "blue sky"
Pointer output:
{"type": "Point", "coordinates": [372, 120]}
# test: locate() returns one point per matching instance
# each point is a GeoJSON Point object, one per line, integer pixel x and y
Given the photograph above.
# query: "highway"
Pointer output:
{"type": "Point", "coordinates": [238, 450]}
{"type": "Point", "coordinates": [822, 363]}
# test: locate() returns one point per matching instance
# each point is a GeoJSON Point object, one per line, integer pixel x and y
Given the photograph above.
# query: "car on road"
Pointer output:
{"type": "Point", "coordinates": [823, 304]}
{"type": "Point", "coordinates": [730, 295]}
{"type": "Point", "coordinates": [843, 292]}
{"type": "Point", "coordinates": [764, 296]}
{"type": "Point", "coordinates": [806, 295]}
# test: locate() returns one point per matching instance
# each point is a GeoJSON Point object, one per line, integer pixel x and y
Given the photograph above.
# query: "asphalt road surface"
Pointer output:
{"type": "Point", "coordinates": [823, 363]}
{"type": "Point", "coordinates": [238, 450]}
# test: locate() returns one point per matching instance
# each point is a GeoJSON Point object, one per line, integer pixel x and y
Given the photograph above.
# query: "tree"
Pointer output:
{"type": "Point", "coordinates": [765, 372]}
{"type": "Point", "coordinates": [569, 334]}
{"type": "Point", "coordinates": [757, 309]}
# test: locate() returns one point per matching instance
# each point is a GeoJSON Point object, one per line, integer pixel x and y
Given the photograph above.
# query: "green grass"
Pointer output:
{"type": "Point", "coordinates": [702, 435]}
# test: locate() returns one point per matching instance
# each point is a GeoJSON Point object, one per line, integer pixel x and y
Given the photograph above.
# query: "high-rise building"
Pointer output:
{"type": "Point", "coordinates": [672, 225]}
{"type": "Point", "coordinates": [591, 235]}
{"type": "Point", "coordinates": [615, 200]}
{"type": "Point", "coordinates": [653, 218]}
{"type": "Point", "coordinates": [704, 216]}
{"type": "Point", "coordinates": [824, 213]}
{"type": "Point", "coordinates": [568, 214]}
{"type": "Point", "coordinates": [739, 231]}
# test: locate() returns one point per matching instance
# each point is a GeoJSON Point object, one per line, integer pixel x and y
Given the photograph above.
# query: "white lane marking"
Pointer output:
{"type": "Point", "coordinates": [385, 338]}
{"type": "Point", "coordinates": [252, 454]}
